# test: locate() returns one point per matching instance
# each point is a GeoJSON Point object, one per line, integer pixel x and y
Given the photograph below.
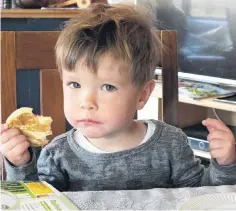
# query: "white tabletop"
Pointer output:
{"type": "Point", "coordinates": [152, 199]}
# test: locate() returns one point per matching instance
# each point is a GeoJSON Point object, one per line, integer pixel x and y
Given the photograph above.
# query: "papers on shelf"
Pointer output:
{"type": "Point", "coordinates": [199, 90]}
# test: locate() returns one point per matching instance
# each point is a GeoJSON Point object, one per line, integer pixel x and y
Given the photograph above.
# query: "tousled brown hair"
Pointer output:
{"type": "Point", "coordinates": [122, 29]}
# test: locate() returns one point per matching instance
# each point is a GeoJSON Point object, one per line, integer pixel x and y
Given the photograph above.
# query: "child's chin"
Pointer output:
{"type": "Point", "coordinates": [92, 135]}
{"type": "Point", "coordinates": [95, 133]}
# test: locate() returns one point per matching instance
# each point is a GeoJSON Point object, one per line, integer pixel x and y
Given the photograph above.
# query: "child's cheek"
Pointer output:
{"type": "Point", "coordinates": [69, 115]}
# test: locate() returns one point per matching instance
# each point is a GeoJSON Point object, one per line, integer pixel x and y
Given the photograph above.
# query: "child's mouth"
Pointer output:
{"type": "Point", "coordinates": [88, 122]}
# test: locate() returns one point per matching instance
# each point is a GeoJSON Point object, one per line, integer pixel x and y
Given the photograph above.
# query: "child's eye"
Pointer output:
{"type": "Point", "coordinates": [74, 85]}
{"type": "Point", "coordinates": [109, 88]}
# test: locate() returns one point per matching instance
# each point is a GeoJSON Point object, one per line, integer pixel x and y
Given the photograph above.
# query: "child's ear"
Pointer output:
{"type": "Point", "coordinates": [145, 93]}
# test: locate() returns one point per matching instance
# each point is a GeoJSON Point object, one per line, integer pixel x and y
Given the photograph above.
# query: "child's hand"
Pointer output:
{"type": "Point", "coordinates": [221, 142]}
{"type": "Point", "coordinates": [14, 146]}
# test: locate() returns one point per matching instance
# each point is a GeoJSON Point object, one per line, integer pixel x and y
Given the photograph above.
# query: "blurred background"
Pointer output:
{"type": "Point", "coordinates": [206, 34]}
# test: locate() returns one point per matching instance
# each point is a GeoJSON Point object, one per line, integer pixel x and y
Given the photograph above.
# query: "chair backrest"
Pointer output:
{"type": "Point", "coordinates": [30, 78]}
{"type": "Point", "coordinates": [169, 64]}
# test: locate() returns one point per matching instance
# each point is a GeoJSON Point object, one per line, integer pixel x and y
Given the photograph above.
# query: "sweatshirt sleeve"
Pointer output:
{"type": "Point", "coordinates": [44, 166]}
{"type": "Point", "coordinates": [49, 170]}
{"type": "Point", "coordinates": [27, 172]}
{"type": "Point", "coordinates": [187, 170]}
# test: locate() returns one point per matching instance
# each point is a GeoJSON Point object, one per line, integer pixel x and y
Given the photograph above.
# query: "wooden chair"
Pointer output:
{"type": "Point", "coordinates": [169, 64]}
{"type": "Point", "coordinates": [35, 51]}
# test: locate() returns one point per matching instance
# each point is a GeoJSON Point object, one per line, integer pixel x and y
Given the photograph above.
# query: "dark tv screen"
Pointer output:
{"type": "Point", "coordinates": [206, 34]}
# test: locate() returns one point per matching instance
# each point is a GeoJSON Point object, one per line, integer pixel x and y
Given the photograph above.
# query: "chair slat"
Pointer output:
{"type": "Point", "coordinates": [169, 63]}
{"type": "Point", "coordinates": [51, 103]}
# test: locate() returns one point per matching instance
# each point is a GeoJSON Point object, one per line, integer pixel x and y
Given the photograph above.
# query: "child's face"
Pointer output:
{"type": "Point", "coordinates": [101, 105]}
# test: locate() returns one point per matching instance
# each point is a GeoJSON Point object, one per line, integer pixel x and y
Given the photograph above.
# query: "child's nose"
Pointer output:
{"type": "Point", "coordinates": [89, 101]}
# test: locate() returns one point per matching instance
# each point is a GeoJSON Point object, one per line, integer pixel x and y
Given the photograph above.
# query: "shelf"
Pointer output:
{"type": "Point", "coordinates": [39, 13]}
{"type": "Point", "coordinates": [202, 154]}
{"type": "Point", "coordinates": [208, 102]}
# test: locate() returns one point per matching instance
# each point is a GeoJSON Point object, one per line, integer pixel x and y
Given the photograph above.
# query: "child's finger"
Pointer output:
{"type": "Point", "coordinates": [9, 134]}
{"type": "Point", "coordinates": [210, 129]}
{"type": "Point", "coordinates": [216, 124]}
{"type": "Point", "coordinates": [216, 144]}
{"type": "Point", "coordinates": [216, 153]}
{"type": "Point", "coordinates": [4, 127]}
{"type": "Point", "coordinates": [20, 148]}
{"type": "Point", "coordinates": [217, 134]}
{"type": "Point", "coordinates": [12, 143]}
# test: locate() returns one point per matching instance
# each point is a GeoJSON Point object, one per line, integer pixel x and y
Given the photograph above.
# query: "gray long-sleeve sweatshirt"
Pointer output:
{"type": "Point", "coordinates": [164, 161]}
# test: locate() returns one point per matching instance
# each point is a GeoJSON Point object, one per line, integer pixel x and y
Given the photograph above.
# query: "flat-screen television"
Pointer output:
{"type": "Point", "coordinates": [206, 35]}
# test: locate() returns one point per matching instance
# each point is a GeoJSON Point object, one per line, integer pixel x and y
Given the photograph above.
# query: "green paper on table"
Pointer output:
{"type": "Point", "coordinates": [32, 196]}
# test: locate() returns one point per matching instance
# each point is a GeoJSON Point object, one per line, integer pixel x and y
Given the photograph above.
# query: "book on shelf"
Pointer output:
{"type": "Point", "coordinates": [199, 90]}
{"type": "Point", "coordinates": [20, 195]}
